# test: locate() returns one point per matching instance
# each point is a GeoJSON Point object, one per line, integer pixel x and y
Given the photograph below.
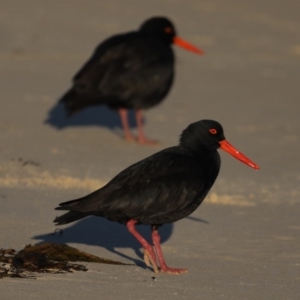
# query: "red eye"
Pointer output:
{"type": "Point", "coordinates": [168, 30]}
{"type": "Point", "coordinates": [213, 131]}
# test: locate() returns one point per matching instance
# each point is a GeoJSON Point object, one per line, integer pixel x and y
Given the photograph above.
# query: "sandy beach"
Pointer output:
{"type": "Point", "coordinates": [243, 242]}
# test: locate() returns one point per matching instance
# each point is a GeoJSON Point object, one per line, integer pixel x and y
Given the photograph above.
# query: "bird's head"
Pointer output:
{"type": "Point", "coordinates": [164, 29]}
{"type": "Point", "coordinates": [208, 135]}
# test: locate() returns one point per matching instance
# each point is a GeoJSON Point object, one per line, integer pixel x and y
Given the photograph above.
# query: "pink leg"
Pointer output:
{"type": "Point", "coordinates": [123, 113]}
{"type": "Point", "coordinates": [141, 136]}
{"type": "Point", "coordinates": [163, 266]}
{"type": "Point", "coordinates": [149, 255]}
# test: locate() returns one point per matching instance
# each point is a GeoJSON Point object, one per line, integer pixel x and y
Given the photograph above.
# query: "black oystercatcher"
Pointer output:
{"type": "Point", "coordinates": [162, 188]}
{"type": "Point", "coordinates": [134, 70]}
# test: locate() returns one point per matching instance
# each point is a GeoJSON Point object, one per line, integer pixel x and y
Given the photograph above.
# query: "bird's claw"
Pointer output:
{"type": "Point", "coordinates": [141, 141]}
{"type": "Point", "coordinates": [129, 138]}
{"type": "Point", "coordinates": [150, 261]}
{"type": "Point", "coordinates": [175, 271]}
{"type": "Point", "coordinates": [144, 141]}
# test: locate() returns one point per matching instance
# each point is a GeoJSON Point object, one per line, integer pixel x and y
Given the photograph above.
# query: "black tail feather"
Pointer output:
{"type": "Point", "coordinates": [69, 217]}
{"type": "Point", "coordinates": [73, 102]}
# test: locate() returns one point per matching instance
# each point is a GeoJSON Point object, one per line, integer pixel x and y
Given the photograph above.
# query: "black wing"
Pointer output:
{"type": "Point", "coordinates": [126, 68]}
{"type": "Point", "coordinates": [148, 191]}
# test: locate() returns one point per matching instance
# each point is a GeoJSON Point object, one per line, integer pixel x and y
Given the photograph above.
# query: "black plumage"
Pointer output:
{"type": "Point", "coordinates": [162, 188]}
{"type": "Point", "coordinates": [134, 70]}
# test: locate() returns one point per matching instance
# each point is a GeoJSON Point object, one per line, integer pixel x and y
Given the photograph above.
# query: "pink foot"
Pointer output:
{"type": "Point", "coordinates": [175, 271]}
{"type": "Point", "coordinates": [149, 254]}
{"type": "Point", "coordinates": [141, 139]}
{"type": "Point", "coordinates": [144, 141]}
{"type": "Point", "coordinates": [125, 124]}
{"type": "Point", "coordinates": [163, 266]}
{"type": "Point", "coordinates": [129, 138]}
{"type": "Point", "coordinates": [150, 260]}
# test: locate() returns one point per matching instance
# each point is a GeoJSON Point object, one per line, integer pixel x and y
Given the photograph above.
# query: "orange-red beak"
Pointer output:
{"type": "Point", "coordinates": [226, 146]}
{"type": "Point", "coordinates": [184, 44]}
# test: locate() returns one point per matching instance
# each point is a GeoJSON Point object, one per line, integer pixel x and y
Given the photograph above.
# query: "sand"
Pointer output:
{"type": "Point", "coordinates": [243, 242]}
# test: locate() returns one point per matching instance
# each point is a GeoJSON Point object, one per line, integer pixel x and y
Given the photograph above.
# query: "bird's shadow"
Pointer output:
{"type": "Point", "coordinates": [91, 116]}
{"type": "Point", "coordinates": [103, 233]}
{"type": "Point", "coordinates": [109, 235]}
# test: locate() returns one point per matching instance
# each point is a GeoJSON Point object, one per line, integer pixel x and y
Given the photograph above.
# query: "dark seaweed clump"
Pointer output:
{"type": "Point", "coordinates": [45, 258]}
